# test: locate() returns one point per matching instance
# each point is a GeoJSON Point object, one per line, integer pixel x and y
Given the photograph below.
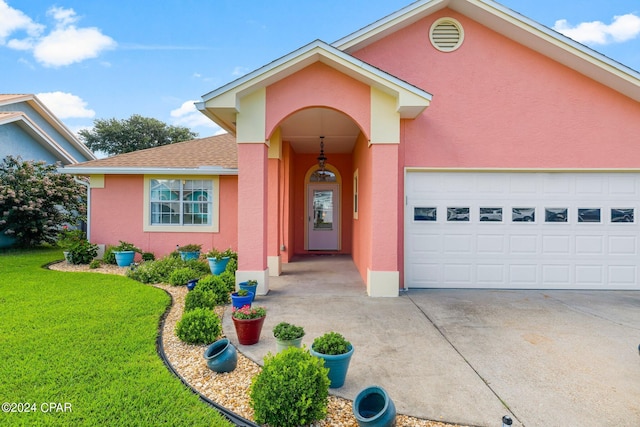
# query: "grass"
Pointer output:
{"type": "Point", "coordinates": [86, 341]}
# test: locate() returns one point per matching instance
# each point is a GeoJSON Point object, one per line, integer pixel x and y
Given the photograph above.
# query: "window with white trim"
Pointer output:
{"type": "Point", "coordinates": [181, 202]}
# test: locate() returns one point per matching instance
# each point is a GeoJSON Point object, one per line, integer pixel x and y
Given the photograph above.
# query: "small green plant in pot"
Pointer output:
{"type": "Point", "coordinates": [248, 323]}
{"type": "Point", "coordinates": [218, 260]}
{"type": "Point", "coordinates": [287, 335]}
{"type": "Point", "coordinates": [336, 352]}
{"type": "Point", "coordinates": [291, 390]}
{"type": "Point", "coordinates": [241, 298]}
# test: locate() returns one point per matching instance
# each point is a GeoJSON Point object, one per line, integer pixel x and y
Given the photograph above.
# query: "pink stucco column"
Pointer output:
{"type": "Point", "coordinates": [383, 275]}
{"type": "Point", "coordinates": [252, 214]}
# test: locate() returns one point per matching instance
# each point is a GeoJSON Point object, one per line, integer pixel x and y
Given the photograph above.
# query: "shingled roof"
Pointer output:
{"type": "Point", "coordinates": [214, 151]}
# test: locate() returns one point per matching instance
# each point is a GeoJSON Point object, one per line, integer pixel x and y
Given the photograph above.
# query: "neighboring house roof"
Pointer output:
{"type": "Point", "coordinates": [221, 104]}
{"type": "Point", "coordinates": [40, 135]}
{"type": "Point", "coordinates": [214, 155]}
{"type": "Point", "coordinates": [513, 26]}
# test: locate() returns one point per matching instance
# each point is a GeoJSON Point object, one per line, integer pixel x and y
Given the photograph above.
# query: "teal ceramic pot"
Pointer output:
{"type": "Point", "coordinates": [124, 258]}
{"type": "Point", "coordinates": [251, 288]}
{"type": "Point", "coordinates": [186, 256]}
{"type": "Point", "coordinates": [221, 356]}
{"type": "Point", "coordinates": [372, 407]}
{"type": "Point", "coordinates": [240, 301]}
{"type": "Point", "coordinates": [218, 266]}
{"type": "Point", "coordinates": [337, 365]}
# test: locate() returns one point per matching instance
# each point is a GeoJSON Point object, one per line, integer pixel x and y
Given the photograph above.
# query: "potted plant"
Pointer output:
{"type": "Point", "coordinates": [336, 352]}
{"type": "Point", "coordinates": [124, 253]}
{"type": "Point", "coordinates": [248, 322]}
{"type": "Point", "coordinates": [190, 251]}
{"type": "Point", "coordinates": [218, 259]}
{"type": "Point", "coordinates": [249, 285]}
{"type": "Point", "coordinates": [287, 335]}
{"type": "Point", "coordinates": [241, 298]}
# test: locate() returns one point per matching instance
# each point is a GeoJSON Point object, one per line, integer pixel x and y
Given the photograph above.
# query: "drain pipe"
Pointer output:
{"type": "Point", "coordinates": [88, 185]}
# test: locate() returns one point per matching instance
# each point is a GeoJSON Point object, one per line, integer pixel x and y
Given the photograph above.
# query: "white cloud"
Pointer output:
{"type": "Point", "coordinates": [188, 115]}
{"type": "Point", "coordinates": [64, 45]}
{"type": "Point", "coordinates": [66, 105]}
{"type": "Point", "coordinates": [622, 28]}
{"type": "Point", "coordinates": [13, 20]}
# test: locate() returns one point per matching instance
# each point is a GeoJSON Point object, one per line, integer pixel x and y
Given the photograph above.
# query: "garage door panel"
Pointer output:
{"type": "Point", "coordinates": [557, 245]}
{"type": "Point", "coordinates": [578, 238]}
{"type": "Point", "coordinates": [622, 245]}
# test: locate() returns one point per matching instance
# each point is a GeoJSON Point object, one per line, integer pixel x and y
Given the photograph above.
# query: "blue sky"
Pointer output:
{"type": "Point", "coordinates": [108, 58]}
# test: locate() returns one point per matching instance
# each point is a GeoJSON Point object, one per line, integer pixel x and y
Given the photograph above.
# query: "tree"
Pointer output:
{"type": "Point", "coordinates": [36, 200]}
{"type": "Point", "coordinates": [114, 136]}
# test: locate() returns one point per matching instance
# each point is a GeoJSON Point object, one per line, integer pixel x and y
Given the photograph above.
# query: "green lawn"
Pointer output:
{"type": "Point", "coordinates": [86, 342]}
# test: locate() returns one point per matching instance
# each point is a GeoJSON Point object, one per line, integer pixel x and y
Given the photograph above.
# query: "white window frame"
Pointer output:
{"type": "Point", "coordinates": [214, 227]}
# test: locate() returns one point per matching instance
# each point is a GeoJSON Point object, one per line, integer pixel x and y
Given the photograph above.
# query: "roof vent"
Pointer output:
{"type": "Point", "coordinates": [446, 34]}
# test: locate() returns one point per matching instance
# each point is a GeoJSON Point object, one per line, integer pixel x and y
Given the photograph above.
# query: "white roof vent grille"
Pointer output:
{"type": "Point", "coordinates": [446, 34]}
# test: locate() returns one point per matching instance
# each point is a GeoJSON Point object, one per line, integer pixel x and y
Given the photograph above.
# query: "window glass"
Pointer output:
{"type": "Point", "coordinates": [181, 202]}
{"type": "Point", "coordinates": [589, 215]}
{"type": "Point", "coordinates": [424, 214]}
{"type": "Point", "coordinates": [622, 215]}
{"type": "Point", "coordinates": [457, 214]}
{"type": "Point", "coordinates": [555, 214]}
{"type": "Point", "coordinates": [523, 214]}
{"type": "Point", "coordinates": [490, 214]}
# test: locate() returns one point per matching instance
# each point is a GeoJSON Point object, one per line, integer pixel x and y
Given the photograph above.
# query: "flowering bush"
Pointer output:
{"type": "Point", "coordinates": [248, 312]}
{"type": "Point", "coordinates": [35, 201]}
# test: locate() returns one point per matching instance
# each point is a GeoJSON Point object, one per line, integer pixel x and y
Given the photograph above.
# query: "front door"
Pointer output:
{"type": "Point", "coordinates": [323, 217]}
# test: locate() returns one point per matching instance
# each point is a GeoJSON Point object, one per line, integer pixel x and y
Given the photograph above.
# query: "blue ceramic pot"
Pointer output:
{"type": "Point", "coordinates": [218, 266]}
{"type": "Point", "coordinates": [249, 288]}
{"type": "Point", "coordinates": [372, 407]}
{"type": "Point", "coordinates": [337, 364]}
{"type": "Point", "coordinates": [124, 258]}
{"type": "Point", "coordinates": [221, 356]}
{"type": "Point", "coordinates": [191, 284]}
{"type": "Point", "coordinates": [240, 301]}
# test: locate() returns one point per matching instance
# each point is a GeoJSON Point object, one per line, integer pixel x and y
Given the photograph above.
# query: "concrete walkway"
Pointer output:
{"type": "Point", "coordinates": [546, 358]}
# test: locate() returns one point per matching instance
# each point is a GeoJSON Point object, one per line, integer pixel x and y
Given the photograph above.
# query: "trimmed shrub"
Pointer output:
{"type": "Point", "coordinates": [96, 263]}
{"type": "Point", "coordinates": [156, 271]}
{"type": "Point", "coordinates": [291, 390]}
{"type": "Point", "coordinates": [199, 326]}
{"type": "Point", "coordinates": [229, 279]}
{"type": "Point", "coordinates": [201, 267]}
{"type": "Point", "coordinates": [232, 266]}
{"type": "Point", "coordinates": [217, 286]}
{"type": "Point", "coordinates": [199, 298]}
{"type": "Point", "coordinates": [181, 276]}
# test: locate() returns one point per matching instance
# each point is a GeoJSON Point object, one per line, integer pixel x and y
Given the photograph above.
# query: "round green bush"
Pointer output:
{"type": "Point", "coordinates": [218, 286]}
{"type": "Point", "coordinates": [291, 390]}
{"type": "Point", "coordinates": [199, 298]}
{"type": "Point", "coordinates": [229, 279]}
{"type": "Point", "coordinates": [109, 257]}
{"type": "Point", "coordinates": [82, 252]}
{"type": "Point", "coordinates": [182, 275]}
{"type": "Point", "coordinates": [199, 326]}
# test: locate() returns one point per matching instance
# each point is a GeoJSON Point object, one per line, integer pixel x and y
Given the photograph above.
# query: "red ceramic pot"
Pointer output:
{"type": "Point", "coordinates": [248, 330]}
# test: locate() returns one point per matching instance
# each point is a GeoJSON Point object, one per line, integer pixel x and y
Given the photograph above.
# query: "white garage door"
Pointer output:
{"type": "Point", "coordinates": [522, 230]}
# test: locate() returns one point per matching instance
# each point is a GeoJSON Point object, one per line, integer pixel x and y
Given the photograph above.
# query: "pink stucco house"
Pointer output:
{"type": "Point", "coordinates": [466, 146]}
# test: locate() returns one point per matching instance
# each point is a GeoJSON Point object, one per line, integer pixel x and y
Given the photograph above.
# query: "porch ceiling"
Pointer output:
{"type": "Point", "coordinates": [304, 128]}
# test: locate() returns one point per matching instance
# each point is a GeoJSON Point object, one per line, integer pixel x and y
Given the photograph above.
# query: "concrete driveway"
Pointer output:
{"type": "Point", "coordinates": [546, 358]}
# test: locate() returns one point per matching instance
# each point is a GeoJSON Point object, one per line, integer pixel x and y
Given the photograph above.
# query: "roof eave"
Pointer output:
{"type": "Point", "coordinates": [521, 29]}
{"type": "Point", "coordinates": [221, 105]}
{"type": "Point", "coordinates": [147, 171]}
